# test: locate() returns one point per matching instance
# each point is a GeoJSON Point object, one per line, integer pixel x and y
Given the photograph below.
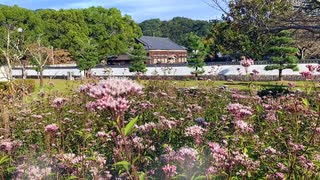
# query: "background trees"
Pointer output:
{"type": "Point", "coordinates": [108, 29]}
{"type": "Point", "coordinates": [175, 29]}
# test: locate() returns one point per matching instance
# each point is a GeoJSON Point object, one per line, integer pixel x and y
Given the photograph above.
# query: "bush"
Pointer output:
{"type": "Point", "coordinates": [27, 85]}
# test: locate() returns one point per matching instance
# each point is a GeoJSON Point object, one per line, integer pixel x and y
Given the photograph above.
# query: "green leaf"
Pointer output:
{"type": "Point", "coordinates": [142, 176]}
{"type": "Point", "coordinates": [200, 178]}
{"type": "Point", "coordinates": [11, 169]}
{"type": "Point", "coordinates": [4, 159]}
{"type": "Point", "coordinates": [305, 102]}
{"type": "Point", "coordinates": [245, 151]}
{"type": "Point", "coordinates": [72, 177]}
{"type": "Point", "coordinates": [124, 164]}
{"type": "Point", "coordinates": [130, 125]}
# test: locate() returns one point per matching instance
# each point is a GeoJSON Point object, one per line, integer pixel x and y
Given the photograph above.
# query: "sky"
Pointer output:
{"type": "Point", "coordinates": [139, 10]}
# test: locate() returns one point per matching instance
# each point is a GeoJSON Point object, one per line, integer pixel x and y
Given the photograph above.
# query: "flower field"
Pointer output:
{"type": "Point", "coordinates": [119, 129]}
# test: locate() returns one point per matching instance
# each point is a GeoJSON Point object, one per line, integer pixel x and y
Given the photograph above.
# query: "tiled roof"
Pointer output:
{"type": "Point", "coordinates": [159, 43]}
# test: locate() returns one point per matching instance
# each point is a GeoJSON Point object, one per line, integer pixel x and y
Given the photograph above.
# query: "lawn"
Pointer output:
{"type": "Point", "coordinates": [62, 85]}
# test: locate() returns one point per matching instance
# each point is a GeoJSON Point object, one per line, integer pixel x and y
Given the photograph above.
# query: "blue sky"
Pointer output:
{"type": "Point", "coordinates": [139, 9]}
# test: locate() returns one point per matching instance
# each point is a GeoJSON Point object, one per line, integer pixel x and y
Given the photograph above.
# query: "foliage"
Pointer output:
{"type": "Point", "coordinates": [110, 129]}
{"type": "Point", "coordinates": [176, 29]}
{"type": "Point", "coordinates": [87, 56]}
{"type": "Point", "coordinates": [282, 53]}
{"type": "Point", "coordinates": [68, 29]}
{"type": "Point", "coordinates": [27, 85]}
{"type": "Point", "coordinates": [138, 59]}
{"type": "Point", "coordinates": [197, 53]}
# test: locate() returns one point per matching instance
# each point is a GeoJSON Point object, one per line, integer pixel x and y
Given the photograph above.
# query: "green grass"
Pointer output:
{"type": "Point", "coordinates": [63, 86]}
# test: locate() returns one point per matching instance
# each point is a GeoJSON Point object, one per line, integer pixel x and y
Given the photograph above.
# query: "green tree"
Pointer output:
{"type": "Point", "coordinates": [282, 53]}
{"type": "Point", "coordinates": [197, 53]}
{"type": "Point", "coordinates": [87, 57]}
{"type": "Point", "coordinates": [138, 59]}
{"type": "Point", "coordinates": [176, 29]}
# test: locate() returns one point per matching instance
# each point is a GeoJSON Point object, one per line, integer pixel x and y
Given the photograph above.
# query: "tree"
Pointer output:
{"type": "Point", "coordinates": [39, 56]}
{"type": "Point", "coordinates": [176, 29]}
{"type": "Point", "coordinates": [138, 59]}
{"type": "Point", "coordinates": [18, 27]}
{"type": "Point", "coordinates": [87, 57]}
{"type": "Point", "coordinates": [282, 53]}
{"type": "Point", "coordinates": [197, 53]}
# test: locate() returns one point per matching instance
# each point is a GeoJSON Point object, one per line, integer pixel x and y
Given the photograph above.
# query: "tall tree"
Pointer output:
{"type": "Point", "coordinates": [282, 53]}
{"type": "Point", "coordinates": [138, 59]}
{"type": "Point", "coordinates": [39, 56]}
{"type": "Point", "coordinates": [197, 53]}
{"type": "Point", "coordinates": [87, 57]}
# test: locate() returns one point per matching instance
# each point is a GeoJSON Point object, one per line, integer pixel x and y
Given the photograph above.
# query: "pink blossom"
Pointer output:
{"type": "Point", "coordinates": [53, 128]}
{"type": "Point", "coordinates": [255, 72]}
{"type": "Point", "coordinates": [194, 131]}
{"type": "Point", "coordinates": [296, 147]}
{"type": "Point", "coordinates": [239, 111]}
{"type": "Point", "coordinates": [102, 134]}
{"type": "Point", "coordinates": [311, 68]}
{"type": "Point", "coordinates": [246, 62]}
{"type": "Point", "coordinates": [306, 74]}
{"type": "Point", "coordinates": [58, 102]}
{"type": "Point", "coordinates": [270, 150]}
{"type": "Point", "coordinates": [275, 176]}
{"type": "Point", "coordinates": [282, 167]}
{"type": "Point", "coordinates": [6, 145]}
{"type": "Point", "coordinates": [170, 170]}
{"type": "Point", "coordinates": [243, 126]}
{"type": "Point", "coordinates": [186, 154]}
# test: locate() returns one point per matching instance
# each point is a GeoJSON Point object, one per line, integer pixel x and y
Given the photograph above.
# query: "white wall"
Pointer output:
{"type": "Point", "coordinates": [3, 75]}
{"type": "Point", "coordinates": [177, 71]}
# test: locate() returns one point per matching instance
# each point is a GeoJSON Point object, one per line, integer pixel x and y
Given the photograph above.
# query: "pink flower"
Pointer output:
{"type": "Point", "coordinates": [239, 111]}
{"type": "Point", "coordinates": [311, 68]}
{"type": "Point", "coordinates": [6, 145]}
{"type": "Point", "coordinates": [170, 170]}
{"type": "Point", "coordinates": [275, 176]}
{"type": "Point", "coordinates": [53, 128]}
{"type": "Point", "coordinates": [186, 154]}
{"type": "Point", "coordinates": [243, 126]}
{"type": "Point", "coordinates": [58, 102]}
{"type": "Point", "coordinates": [270, 150]}
{"type": "Point", "coordinates": [102, 134]}
{"type": "Point", "coordinates": [306, 74]}
{"type": "Point", "coordinates": [246, 62]}
{"type": "Point", "coordinates": [255, 72]}
{"type": "Point", "coordinates": [196, 132]}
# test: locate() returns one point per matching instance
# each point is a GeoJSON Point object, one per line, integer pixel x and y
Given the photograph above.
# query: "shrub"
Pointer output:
{"type": "Point", "coordinates": [27, 85]}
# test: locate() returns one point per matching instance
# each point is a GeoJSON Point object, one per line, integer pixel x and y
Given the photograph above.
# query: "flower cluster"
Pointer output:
{"type": "Point", "coordinates": [169, 170]}
{"type": "Point", "coordinates": [246, 62]}
{"type": "Point", "coordinates": [59, 102]}
{"type": "Point", "coordinates": [111, 94]}
{"type": "Point", "coordinates": [52, 128]}
{"type": "Point", "coordinates": [196, 132]}
{"type": "Point", "coordinates": [239, 111]}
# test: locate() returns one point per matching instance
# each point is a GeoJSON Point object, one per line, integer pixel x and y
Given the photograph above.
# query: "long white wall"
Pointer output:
{"type": "Point", "coordinates": [176, 71]}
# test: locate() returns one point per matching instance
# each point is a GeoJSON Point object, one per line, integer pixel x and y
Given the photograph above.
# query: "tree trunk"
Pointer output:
{"type": "Point", "coordinates": [41, 78]}
{"type": "Point", "coordinates": [280, 75]}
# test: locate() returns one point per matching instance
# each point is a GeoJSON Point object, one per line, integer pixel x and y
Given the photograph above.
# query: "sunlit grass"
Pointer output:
{"type": "Point", "coordinates": [64, 86]}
